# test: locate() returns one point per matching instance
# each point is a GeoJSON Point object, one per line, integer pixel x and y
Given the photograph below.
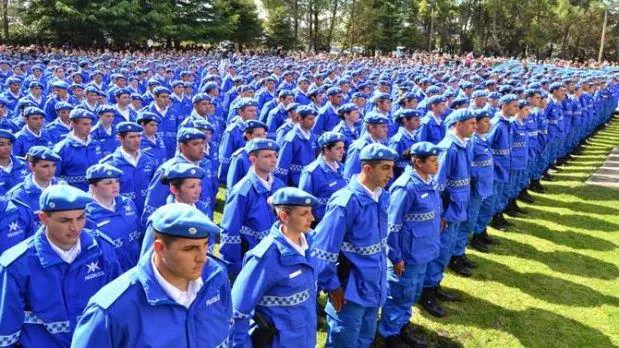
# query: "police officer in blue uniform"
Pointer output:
{"type": "Point", "coordinates": [152, 142]}
{"type": "Point", "coordinates": [408, 121]}
{"type": "Point", "coordinates": [48, 278]}
{"type": "Point", "coordinates": [33, 133]}
{"type": "Point", "coordinates": [278, 282]}
{"type": "Point", "coordinates": [432, 128]}
{"type": "Point", "coordinates": [13, 170]}
{"type": "Point", "coordinates": [377, 128]}
{"type": "Point", "coordinates": [78, 150]}
{"type": "Point", "coordinates": [414, 231]}
{"type": "Point", "coordinates": [111, 214]}
{"type": "Point", "coordinates": [239, 161]}
{"type": "Point", "coordinates": [247, 217]}
{"type": "Point", "coordinates": [298, 149]}
{"type": "Point", "coordinates": [176, 286]}
{"type": "Point", "coordinates": [103, 130]}
{"type": "Point", "coordinates": [324, 176]}
{"type": "Point", "coordinates": [349, 246]}
{"type": "Point", "coordinates": [453, 181]}
{"type": "Point", "coordinates": [16, 222]}
{"type": "Point", "coordinates": [328, 115]}
{"type": "Point", "coordinates": [349, 115]}
{"type": "Point", "coordinates": [61, 126]}
{"type": "Point", "coordinates": [232, 138]}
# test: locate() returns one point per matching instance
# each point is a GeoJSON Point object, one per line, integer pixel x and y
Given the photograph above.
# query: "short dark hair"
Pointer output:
{"type": "Point", "coordinates": [166, 239]}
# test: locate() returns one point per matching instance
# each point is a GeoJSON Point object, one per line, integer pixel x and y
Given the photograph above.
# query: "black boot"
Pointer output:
{"type": "Point", "coordinates": [393, 341]}
{"type": "Point", "coordinates": [526, 197]}
{"type": "Point", "coordinates": [412, 338]}
{"type": "Point", "coordinates": [518, 209]}
{"type": "Point", "coordinates": [470, 264]}
{"type": "Point", "coordinates": [477, 243]}
{"type": "Point", "coordinates": [430, 303]}
{"type": "Point", "coordinates": [504, 221]}
{"type": "Point", "coordinates": [546, 176]}
{"type": "Point", "coordinates": [487, 239]}
{"type": "Point", "coordinates": [457, 265]}
{"type": "Point", "coordinates": [445, 295]}
{"type": "Point", "coordinates": [537, 187]}
{"type": "Point", "coordinates": [510, 209]}
{"type": "Point", "coordinates": [497, 223]}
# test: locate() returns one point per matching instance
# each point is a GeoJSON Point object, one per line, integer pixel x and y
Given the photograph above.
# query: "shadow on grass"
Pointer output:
{"type": "Point", "coordinates": [533, 327]}
{"type": "Point", "coordinates": [567, 238]}
{"type": "Point", "coordinates": [559, 261]}
{"type": "Point", "coordinates": [579, 207]}
{"type": "Point", "coordinates": [586, 193]}
{"type": "Point", "coordinates": [570, 220]}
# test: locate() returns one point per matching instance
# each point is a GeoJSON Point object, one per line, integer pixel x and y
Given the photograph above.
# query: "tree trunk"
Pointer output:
{"type": "Point", "coordinates": [316, 26]}
{"type": "Point", "coordinates": [332, 24]}
{"type": "Point", "coordinates": [296, 23]}
{"type": "Point", "coordinates": [5, 19]}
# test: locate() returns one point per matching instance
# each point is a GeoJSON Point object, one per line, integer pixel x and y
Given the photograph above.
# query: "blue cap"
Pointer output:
{"type": "Point", "coordinates": [554, 86]}
{"type": "Point", "coordinates": [375, 118]}
{"type": "Point", "coordinates": [433, 90]}
{"type": "Point", "coordinates": [200, 97]}
{"type": "Point", "coordinates": [12, 80]}
{"type": "Point", "coordinates": [523, 103]}
{"type": "Point", "coordinates": [82, 113]}
{"type": "Point", "coordinates": [183, 220]}
{"type": "Point", "coordinates": [146, 116]}
{"type": "Point", "coordinates": [494, 95]}
{"type": "Point", "coordinates": [330, 137]}
{"type": "Point", "coordinates": [153, 82]}
{"type": "Point", "coordinates": [177, 83]}
{"type": "Point", "coordinates": [5, 134]}
{"type": "Point", "coordinates": [161, 90]}
{"type": "Point", "coordinates": [253, 124]}
{"type": "Point", "coordinates": [292, 107]}
{"type": "Point", "coordinates": [479, 93]}
{"type": "Point", "coordinates": [401, 113]}
{"type": "Point", "coordinates": [292, 196]}
{"type": "Point", "coordinates": [458, 116]}
{"type": "Point", "coordinates": [245, 102]}
{"type": "Point", "coordinates": [63, 106]}
{"type": "Point", "coordinates": [63, 197]}
{"type": "Point", "coordinates": [184, 171]}
{"type": "Point", "coordinates": [60, 84]}
{"type": "Point", "coordinates": [459, 101]}
{"type": "Point", "coordinates": [285, 93]}
{"type": "Point", "coordinates": [187, 134]}
{"type": "Point", "coordinates": [332, 91]}
{"type": "Point", "coordinates": [125, 126]}
{"type": "Point", "coordinates": [202, 124]}
{"type": "Point", "coordinates": [466, 84]}
{"type": "Point", "coordinates": [306, 110]}
{"type": "Point", "coordinates": [313, 91]}
{"type": "Point", "coordinates": [136, 96]}
{"type": "Point", "coordinates": [346, 108]}
{"type": "Point", "coordinates": [34, 84]}
{"type": "Point", "coordinates": [436, 99]}
{"type": "Point", "coordinates": [261, 144]}
{"type": "Point", "coordinates": [121, 91]}
{"type": "Point", "coordinates": [508, 98]}
{"type": "Point", "coordinates": [424, 148]}
{"type": "Point", "coordinates": [377, 152]}
{"type": "Point", "coordinates": [33, 111]}
{"type": "Point", "coordinates": [43, 153]}
{"type": "Point", "coordinates": [103, 171]}
{"type": "Point", "coordinates": [358, 95]}
{"type": "Point", "coordinates": [102, 109]}
{"type": "Point", "coordinates": [382, 96]}
{"type": "Point", "coordinates": [481, 113]}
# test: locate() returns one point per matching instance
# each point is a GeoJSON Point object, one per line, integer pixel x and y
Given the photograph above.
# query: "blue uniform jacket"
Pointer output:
{"type": "Point", "coordinates": [354, 231]}
{"type": "Point", "coordinates": [431, 131]}
{"type": "Point", "coordinates": [499, 139]}
{"type": "Point", "coordinates": [282, 131]}
{"type": "Point", "coordinates": [266, 108]}
{"type": "Point", "coordinates": [352, 165]}
{"type": "Point", "coordinates": [16, 222]}
{"type": "Point", "coordinates": [554, 114]}
{"type": "Point", "coordinates": [57, 130]}
{"type": "Point", "coordinates": [482, 166]}
{"type": "Point", "coordinates": [27, 193]}
{"type": "Point", "coordinates": [277, 116]}
{"type": "Point", "coordinates": [414, 219]}
{"type": "Point", "coordinates": [247, 218]}
{"type": "Point", "coordinates": [531, 124]}
{"type": "Point", "coordinates": [134, 311]}
{"type": "Point", "coordinates": [120, 225]}
{"type": "Point", "coordinates": [156, 150]}
{"type": "Point", "coordinates": [296, 152]}
{"type": "Point", "coordinates": [327, 119]}
{"type": "Point", "coordinates": [320, 180]}
{"type": "Point", "coordinates": [76, 159]}
{"type": "Point", "coordinates": [454, 177]}
{"type": "Point", "coordinates": [350, 134]}
{"type": "Point", "coordinates": [400, 142]}
{"type": "Point", "coordinates": [519, 145]}
{"type": "Point", "coordinates": [279, 283]}
{"type": "Point", "coordinates": [17, 174]}
{"type": "Point", "coordinates": [231, 140]}
{"type": "Point", "coordinates": [134, 180]}
{"type": "Point", "coordinates": [43, 296]}
{"type": "Point", "coordinates": [239, 166]}
{"type": "Point", "coordinates": [107, 140]}
{"type": "Point", "coordinates": [24, 140]}
{"type": "Point", "coordinates": [167, 127]}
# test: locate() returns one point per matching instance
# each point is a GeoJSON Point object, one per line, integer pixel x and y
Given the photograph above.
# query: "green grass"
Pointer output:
{"type": "Point", "coordinates": [552, 282]}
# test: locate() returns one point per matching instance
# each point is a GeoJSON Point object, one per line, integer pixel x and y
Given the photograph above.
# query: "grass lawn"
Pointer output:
{"type": "Point", "coordinates": [552, 282]}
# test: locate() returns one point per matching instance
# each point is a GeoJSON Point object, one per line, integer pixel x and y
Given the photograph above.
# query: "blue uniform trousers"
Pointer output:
{"type": "Point", "coordinates": [354, 326]}
{"type": "Point", "coordinates": [466, 227]}
{"type": "Point", "coordinates": [436, 267]}
{"type": "Point", "coordinates": [488, 207]}
{"type": "Point", "coordinates": [404, 291]}
{"type": "Point", "coordinates": [515, 180]}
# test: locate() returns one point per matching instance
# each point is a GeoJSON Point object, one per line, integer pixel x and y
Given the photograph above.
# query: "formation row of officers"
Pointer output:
{"type": "Point", "coordinates": [371, 215]}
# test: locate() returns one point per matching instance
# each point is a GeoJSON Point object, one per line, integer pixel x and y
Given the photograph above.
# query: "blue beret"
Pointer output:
{"type": "Point", "coordinates": [424, 148]}
{"type": "Point", "coordinates": [523, 103]}
{"type": "Point", "coordinates": [121, 91]}
{"type": "Point", "coordinates": [554, 86]}
{"type": "Point", "coordinates": [91, 89]}
{"type": "Point", "coordinates": [332, 91]}
{"type": "Point", "coordinates": [246, 88]}
{"type": "Point", "coordinates": [313, 91]}
{"type": "Point", "coordinates": [359, 95]}
{"type": "Point", "coordinates": [12, 80]}
{"type": "Point", "coordinates": [177, 83]}
{"type": "Point", "coordinates": [346, 108]}
{"type": "Point", "coordinates": [377, 152]}
{"type": "Point", "coordinates": [63, 106]}
{"type": "Point", "coordinates": [505, 89]}
{"type": "Point", "coordinates": [508, 98]}
{"type": "Point", "coordinates": [153, 82]}
{"type": "Point", "coordinates": [63, 197]}
{"type": "Point", "coordinates": [494, 95]}
{"type": "Point", "coordinates": [188, 133]}
{"type": "Point", "coordinates": [292, 107]}
{"type": "Point", "coordinates": [306, 110]}
{"type": "Point", "coordinates": [184, 171]}
{"type": "Point", "coordinates": [245, 102]}
{"type": "Point", "coordinates": [479, 93]}
{"type": "Point", "coordinates": [5, 134]}
{"type": "Point", "coordinates": [60, 84]}
{"type": "Point", "coordinates": [3, 101]}
{"type": "Point", "coordinates": [183, 220]}
{"type": "Point", "coordinates": [209, 86]}
{"type": "Point", "coordinates": [293, 196]}
{"type": "Point", "coordinates": [161, 90]}
{"type": "Point", "coordinates": [330, 137]}
{"type": "Point", "coordinates": [33, 111]}
{"type": "Point", "coordinates": [135, 96]}
{"type": "Point", "coordinates": [103, 171]}
{"type": "Point", "coordinates": [466, 84]}
{"type": "Point", "coordinates": [146, 116]}
{"type": "Point", "coordinates": [200, 97]}
{"type": "Point", "coordinates": [203, 124]}
{"type": "Point", "coordinates": [261, 144]}
{"type": "Point", "coordinates": [458, 116]}
{"type": "Point", "coordinates": [124, 127]}
{"type": "Point", "coordinates": [253, 124]}
{"type": "Point", "coordinates": [376, 118]}
{"type": "Point", "coordinates": [118, 76]}
{"type": "Point", "coordinates": [436, 99]}
{"type": "Point", "coordinates": [401, 113]}
{"type": "Point", "coordinates": [34, 84]}
{"type": "Point", "coordinates": [102, 109]}
{"type": "Point", "coordinates": [43, 153]}
{"type": "Point", "coordinates": [78, 113]}
{"type": "Point", "coordinates": [382, 96]}
{"type": "Point", "coordinates": [459, 101]}
{"type": "Point", "coordinates": [489, 83]}
{"type": "Point", "coordinates": [481, 113]}
{"type": "Point", "coordinates": [433, 90]}
{"type": "Point", "coordinates": [285, 93]}
{"type": "Point", "coordinates": [76, 85]}
{"type": "Point", "coordinates": [532, 91]}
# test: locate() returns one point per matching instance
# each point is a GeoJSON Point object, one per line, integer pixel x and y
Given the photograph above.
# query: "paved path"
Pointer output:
{"type": "Point", "coordinates": [608, 174]}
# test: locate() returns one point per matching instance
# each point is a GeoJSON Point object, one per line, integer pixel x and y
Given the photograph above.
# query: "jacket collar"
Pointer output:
{"type": "Point", "coordinates": [288, 255]}
{"type": "Point", "coordinates": [48, 257]}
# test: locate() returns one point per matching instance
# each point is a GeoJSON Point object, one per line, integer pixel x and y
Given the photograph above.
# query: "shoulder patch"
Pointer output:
{"type": "Point", "coordinates": [242, 187]}
{"type": "Point", "coordinates": [13, 253]}
{"type": "Point", "coordinates": [261, 249]}
{"type": "Point", "coordinates": [341, 197]}
{"type": "Point", "coordinates": [102, 236]}
{"type": "Point", "coordinates": [107, 158]}
{"type": "Point", "coordinates": [311, 167]}
{"type": "Point", "coordinates": [108, 294]}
